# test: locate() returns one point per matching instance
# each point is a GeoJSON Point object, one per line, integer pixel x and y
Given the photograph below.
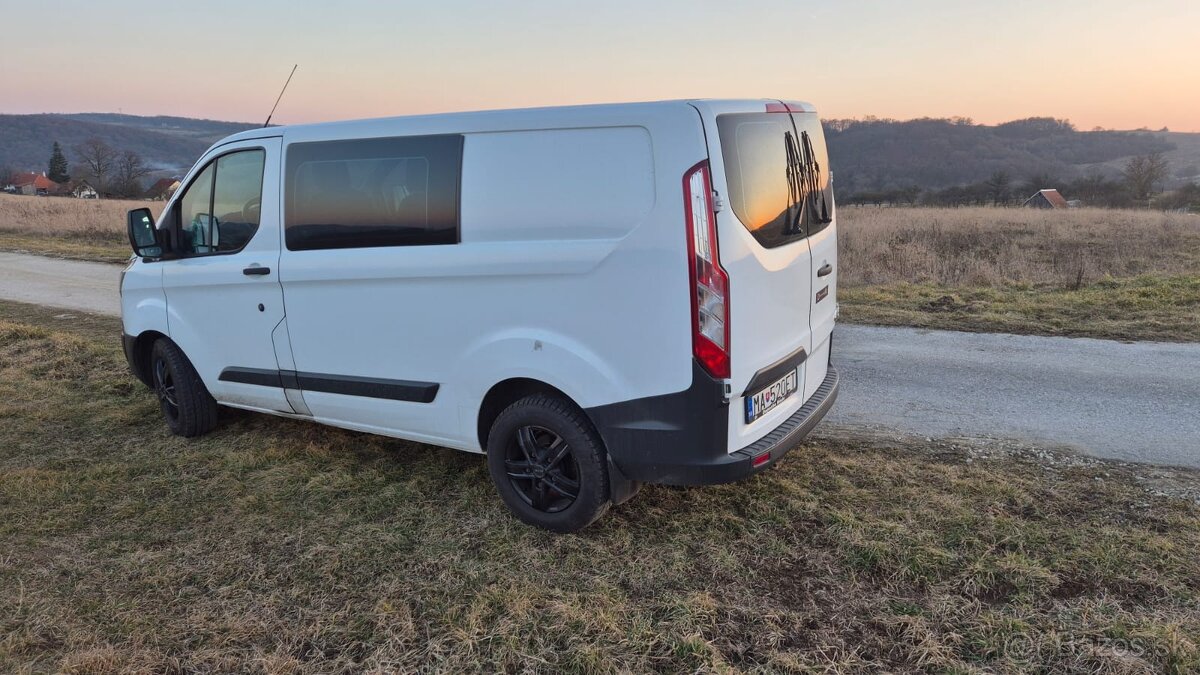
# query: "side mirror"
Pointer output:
{"type": "Point", "coordinates": [142, 236]}
{"type": "Point", "coordinates": [205, 233]}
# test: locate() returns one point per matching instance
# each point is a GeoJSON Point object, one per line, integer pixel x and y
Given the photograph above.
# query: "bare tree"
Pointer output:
{"type": "Point", "coordinates": [1144, 173]}
{"type": "Point", "coordinates": [98, 157]}
{"type": "Point", "coordinates": [128, 169]}
{"type": "Point", "coordinates": [999, 187]}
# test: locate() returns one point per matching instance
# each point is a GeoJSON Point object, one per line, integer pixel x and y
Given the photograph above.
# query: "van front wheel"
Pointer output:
{"type": "Point", "coordinates": [186, 404]}
{"type": "Point", "coordinates": [548, 464]}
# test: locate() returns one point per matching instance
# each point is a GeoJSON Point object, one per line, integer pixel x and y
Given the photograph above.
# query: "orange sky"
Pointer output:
{"type": "Point", "coordinates": [1098, 63]}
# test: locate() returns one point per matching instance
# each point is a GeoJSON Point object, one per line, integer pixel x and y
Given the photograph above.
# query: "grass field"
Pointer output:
{"type": "Point", "coordinates": [80, 229]}
{"type": "Point", "coordinates": [283, 547]}
{"type": "Point", "coordinates": [1086, 272]}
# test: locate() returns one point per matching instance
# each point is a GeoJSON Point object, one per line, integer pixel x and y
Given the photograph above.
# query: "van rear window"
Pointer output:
{"type": "Point", "coordinates": [777, 171]}
{"type": "Point", "coordinates": [373, 192]}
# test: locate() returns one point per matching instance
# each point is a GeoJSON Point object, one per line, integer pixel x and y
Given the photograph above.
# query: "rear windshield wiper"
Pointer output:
{"type": "Point", "coordinates": [820, 203]}
{"type": "Point", "coordinates": [796, 186]}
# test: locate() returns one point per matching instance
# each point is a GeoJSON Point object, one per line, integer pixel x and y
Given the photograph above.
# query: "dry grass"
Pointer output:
{"type": "Point", "coordinates": [1088, 272]}
{"type": "Point", "coordinates": [85, 229]}
{"type": "Point", "coordinates": [1147, 307]}
{"type": "Point", "coordinates": [979, 247]}
{"type": "Point", "coordinates": [282, 547]}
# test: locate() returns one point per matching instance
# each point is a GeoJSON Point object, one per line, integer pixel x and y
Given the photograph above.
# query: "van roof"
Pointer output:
{"type": "Point", "coordinates": [499, 118]}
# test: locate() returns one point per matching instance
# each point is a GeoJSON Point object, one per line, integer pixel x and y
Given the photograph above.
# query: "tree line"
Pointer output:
{"type": "Point", "coordinates": [880, 155]}
{"type": "Point", "coordinates": [110, 171]}
{"type": "Point", "coordinates": [1139, 185]}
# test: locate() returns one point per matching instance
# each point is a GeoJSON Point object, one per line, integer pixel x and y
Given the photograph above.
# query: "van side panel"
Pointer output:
{"type": "Point", "coordinates": [571, 269]}
{"type": "Point", "coordinates": [143, 302]}
{"type": "Point", "coordinates": [557, 185]}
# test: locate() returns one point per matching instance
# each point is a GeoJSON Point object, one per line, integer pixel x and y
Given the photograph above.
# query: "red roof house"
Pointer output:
{"type": "Point", "coordinates": [163, 188]}
{"type": "Point", "coordinates": [1047, 199]}
{"type": "Point", "coordinates": [30, 183]}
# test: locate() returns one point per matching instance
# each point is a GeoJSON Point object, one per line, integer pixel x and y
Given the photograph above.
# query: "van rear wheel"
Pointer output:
{"type": "Point", "coordinates": [186, 404]}
{"type": "Point", "coordinates": [548, 464]}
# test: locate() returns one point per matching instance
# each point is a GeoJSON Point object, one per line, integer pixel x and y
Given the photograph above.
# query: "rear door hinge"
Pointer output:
{"type": "Point", "coordinates": [718, 202]}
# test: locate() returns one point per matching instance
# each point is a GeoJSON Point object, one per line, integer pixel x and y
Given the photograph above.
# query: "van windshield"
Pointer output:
{"type": "Point", "coordinates": [777, 170]}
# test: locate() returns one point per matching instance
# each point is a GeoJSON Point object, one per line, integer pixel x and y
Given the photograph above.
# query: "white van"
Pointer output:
{"type": "Point", "coordinates": [594, 296]}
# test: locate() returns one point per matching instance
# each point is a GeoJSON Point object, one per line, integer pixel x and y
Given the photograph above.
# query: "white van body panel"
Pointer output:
{"type": "Point", "coordinates": [560, 227]}
{"type": "Point", "coordinates": [823, 313]}
{"type": "Point", "coordinates": [143, 302]}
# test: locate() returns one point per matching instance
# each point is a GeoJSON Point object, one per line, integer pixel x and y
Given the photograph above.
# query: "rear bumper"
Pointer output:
{"type": "Point", "coordinates": [793, 430]}
{"type": "Point", "coordinates": [680, 439]}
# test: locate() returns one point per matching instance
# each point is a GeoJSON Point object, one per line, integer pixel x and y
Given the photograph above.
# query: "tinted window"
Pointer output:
{"type": "Point", "coordinates": [373, 192]}
{"type": "Point", "coordinates": [777, 173]}
{"type": "Point", "coordinates": [237, 198]}
{"type": "Point", "coordinates": [219, 212]}
{"type": "Point", "coordinates": [817, 178]}
{"type": "Point", "coordinates": [196, 214]}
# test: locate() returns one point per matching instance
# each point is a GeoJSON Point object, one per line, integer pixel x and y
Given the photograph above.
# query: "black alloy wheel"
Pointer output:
{"type": "Point", "coordinates": [541, 469]}
{"type": "Point", "coordinates": [187, 406]}
{"type": "Point", "coordinates": [548, 463]}
{"type": "Point", "coordinates": [164, 388]}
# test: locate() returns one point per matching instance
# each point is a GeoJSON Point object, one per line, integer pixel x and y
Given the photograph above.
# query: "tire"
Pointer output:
{"type": "Point", "coordinates": [548, 463]}
{"type": "Point", "coordinates": [186, 404]}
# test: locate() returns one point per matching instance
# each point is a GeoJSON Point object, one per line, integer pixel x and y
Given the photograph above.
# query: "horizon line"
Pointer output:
{"type": "Point", "coordinates": [969, 121]}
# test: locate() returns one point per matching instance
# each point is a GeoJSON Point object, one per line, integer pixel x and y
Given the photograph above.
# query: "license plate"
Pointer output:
{"type": "Point", "coordinates": [766, 399]}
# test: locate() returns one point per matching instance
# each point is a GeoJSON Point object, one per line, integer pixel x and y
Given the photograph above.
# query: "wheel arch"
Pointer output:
{"type": "Point", "coordinates": [509, 391]}
{"type": "Point", "coordinates": [139, 355]}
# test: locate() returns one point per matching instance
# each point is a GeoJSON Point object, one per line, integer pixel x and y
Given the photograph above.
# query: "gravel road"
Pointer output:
{"type": "Point", "coordinates": [1128, 401]}
{"type": "Point", "coordinates": [69, 284]}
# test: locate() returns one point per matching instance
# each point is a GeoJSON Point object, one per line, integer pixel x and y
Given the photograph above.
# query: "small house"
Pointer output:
{"type": "Point", "coordinates": [30, 183]}
{"type": "Point", "coordinates": [162, 189]}
{"type": "Point", "coordinates": [83, 190]}
{"type": "Point", "coordinates": [1046, 199]}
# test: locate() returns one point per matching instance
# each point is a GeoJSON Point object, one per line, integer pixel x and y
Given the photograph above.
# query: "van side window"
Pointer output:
{"type": "Point", "coordinates": [220, 211]}
{"type": "Point", "coordinates": [373, 192]}
{"type": "Point", "coordinates": [195, 219]}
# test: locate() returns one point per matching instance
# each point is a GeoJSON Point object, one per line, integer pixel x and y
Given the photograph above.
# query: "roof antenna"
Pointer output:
{"type": "Point", "coordinates": [285, 85]}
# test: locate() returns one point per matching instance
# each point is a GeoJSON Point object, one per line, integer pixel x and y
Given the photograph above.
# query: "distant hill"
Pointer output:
{"type": "Point", "coordinates": [167, 144]}
{"type": "Point", "coordinates": [870, 154]}
{"type": "Point", "coordinates": [875, 154]}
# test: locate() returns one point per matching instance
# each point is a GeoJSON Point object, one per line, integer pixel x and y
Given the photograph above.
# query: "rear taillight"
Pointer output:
{"type": "Point", "coordinates": [709, 283]}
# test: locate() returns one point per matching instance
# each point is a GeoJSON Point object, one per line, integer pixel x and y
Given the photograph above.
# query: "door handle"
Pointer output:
{"type": "Point", "coordinates": [256, 270]}
{"type": "Point", "coordinates": [825, 270]}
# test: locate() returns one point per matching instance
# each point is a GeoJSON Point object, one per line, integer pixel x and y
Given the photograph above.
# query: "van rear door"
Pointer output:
{"type": "Point", "coordinates": [767, 258]}
{"type": "Point", "coordinates": [820, 228]}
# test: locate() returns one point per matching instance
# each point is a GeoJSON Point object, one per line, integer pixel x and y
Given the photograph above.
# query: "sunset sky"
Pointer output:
{"type": "Point", "coordinates": [1109, 63]}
